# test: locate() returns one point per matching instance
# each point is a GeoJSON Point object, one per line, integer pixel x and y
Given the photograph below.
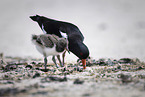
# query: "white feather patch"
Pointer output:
{"type": "Point", "coordinates": [64, 35]}
{"type": "Point", "coordinates": [43, 30]}
{"type": "Point", "coordinates": [46, 51]}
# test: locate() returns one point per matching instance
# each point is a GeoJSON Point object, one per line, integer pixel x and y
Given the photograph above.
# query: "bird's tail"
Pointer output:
{"type": "Point", "coordinates": [35, 18]}
{"type": "Point", "coordinates": [41, 18]}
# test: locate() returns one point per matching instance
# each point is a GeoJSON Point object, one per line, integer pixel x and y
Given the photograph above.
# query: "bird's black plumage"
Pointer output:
{"type": "Point", "coordinates": [74, 36]}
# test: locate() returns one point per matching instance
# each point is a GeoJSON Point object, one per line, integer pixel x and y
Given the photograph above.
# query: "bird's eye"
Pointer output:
{"type": "Point", "coordinates": [81, 54]}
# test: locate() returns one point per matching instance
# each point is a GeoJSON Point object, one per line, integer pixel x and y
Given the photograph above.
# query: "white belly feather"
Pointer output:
{"type": "Point", "coordinates": [46, 51]}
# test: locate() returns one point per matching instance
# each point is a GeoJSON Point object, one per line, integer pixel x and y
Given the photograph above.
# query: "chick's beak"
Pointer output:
{"type": "Point", "coordinates": [67, 50]}
{"type": "Point", "coordinates": [84, 63]}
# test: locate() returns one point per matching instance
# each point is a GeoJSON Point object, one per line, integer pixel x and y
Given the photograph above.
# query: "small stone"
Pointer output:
{"type": "Point", "coordinates": [40, 93]}
{"type": "Point", "coordinates": [29, 66]}
{"type": "Point", "coordinates": [44, 80]}
{"type": "Point", "coordinates": [125, 60]}
{"type": "Point", "coordinates": [86, 95]}
{"type": "Point", "coordinates": [37, 68]}
{"type": "Point", "coordinates": [10, 67]}
{"type": "Point", "coordinates": [23, 90]}
{"type": "Point", "coordinates": [10, 82]}
{"type": "Point", "coordinates": [139, 68]}
{"type": "Point", "coordinates": [58, 78]}
{"type": "Point", "coordinates": [119, 67]}
{"type": "Point", "coordinates": [76, 69]}
{"type": "Point", "coordinates": [33, 62]}
{"type": "Point", "coordinates": [126, 78]}
{"type": "Point", "coordinates": [101, 62]}
{"type": "Point", "coordinates": [81, 70]}
{"type": "Point", "coordinates": [36, 85]}
{"type": "Point", "coordinates": [36, 75]}
{"type": "Point", "coordinates": [103, 75]}
{"type": "Point", "coordinates": [78, 81]}
{"type": "Point", "coordinates": [110, 62]}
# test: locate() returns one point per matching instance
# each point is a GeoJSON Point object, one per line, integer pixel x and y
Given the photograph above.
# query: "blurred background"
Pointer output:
{"type": "Point", "coordinates": [112, 28]}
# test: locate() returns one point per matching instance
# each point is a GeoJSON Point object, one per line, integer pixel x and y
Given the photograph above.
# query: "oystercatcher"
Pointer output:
{"type": "Point", "coordinates": [67, 30]}
{"type": "Point", "coordinates": [48, 45]}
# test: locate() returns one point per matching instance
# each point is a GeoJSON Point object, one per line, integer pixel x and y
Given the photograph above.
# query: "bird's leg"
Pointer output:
{"type": "Point", "coordinates": [58, 57]}
{"type": "Point", "coordinates": [63, 55]}
{"type": "Point", "coordinates": [45, 62]}
{"type": "Point", "coordinates": [53, 59]}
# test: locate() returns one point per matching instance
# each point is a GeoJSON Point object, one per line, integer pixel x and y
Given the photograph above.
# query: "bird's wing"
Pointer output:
{"type": "Point", "coordinates": [59, 28]}
{"type": "Point", "coordinates": [68, 29]}
{"type": "Point", "coordinates": [46, 41]}
{"type": "Point", "coordinates": [51, 28]}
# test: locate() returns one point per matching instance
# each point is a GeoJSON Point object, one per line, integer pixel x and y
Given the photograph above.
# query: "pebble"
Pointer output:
{"type": "Point", "coordinates": [125, 60]}
{"type": "Point", "coordinates": [126, 78]}
{"type": "Point", "coordinates": [78, 81]}
{"type": "Point", "coordinates": [36, 75]}
{"type": "Point", "coordinates": [40, 92]}
{"type": "Point", "coordinates": [97, 70]}
{"type": "Point", "coordinates": [58, 78]}
{"type": "Point", "coordinates": [30, 66]}
{"type": "Point", "coordinates": [10, 67]}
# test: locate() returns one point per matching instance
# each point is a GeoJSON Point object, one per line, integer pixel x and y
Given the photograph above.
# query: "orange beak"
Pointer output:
{"type": "Point", "coordinates": [84, 63]}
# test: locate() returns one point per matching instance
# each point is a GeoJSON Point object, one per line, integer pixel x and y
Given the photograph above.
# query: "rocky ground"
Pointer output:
{"type": "Point", "coordinates": [21, 77]}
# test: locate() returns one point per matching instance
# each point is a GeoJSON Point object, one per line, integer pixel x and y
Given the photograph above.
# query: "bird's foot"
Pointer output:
{"type": "Point", "coordinates": [62, 65]}
{"type": "Point", "coordinates": [57, 65]}
{"type": "Point", "coordinates": [65, 68]}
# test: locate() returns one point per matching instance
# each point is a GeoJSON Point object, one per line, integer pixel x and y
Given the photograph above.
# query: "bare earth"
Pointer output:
{"type": "Point", "coordinates": [102, 78]}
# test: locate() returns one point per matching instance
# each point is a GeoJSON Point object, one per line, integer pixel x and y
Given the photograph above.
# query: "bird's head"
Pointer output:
{"type": "Point", "coordinates": [80, 50]}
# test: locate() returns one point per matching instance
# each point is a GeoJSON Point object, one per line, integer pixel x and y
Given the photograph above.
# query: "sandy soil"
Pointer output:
{"type": "Point", "coordinates": [102, 78]}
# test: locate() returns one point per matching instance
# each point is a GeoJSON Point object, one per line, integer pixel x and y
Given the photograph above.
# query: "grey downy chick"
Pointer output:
{"type": "Point", "coordinates": [50, 45]}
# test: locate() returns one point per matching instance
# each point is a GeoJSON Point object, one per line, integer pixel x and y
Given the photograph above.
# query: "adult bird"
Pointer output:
{"type": "Point", "coordinates": [48, 45]}
{"type": "Point", "coordinates": [67, 30]}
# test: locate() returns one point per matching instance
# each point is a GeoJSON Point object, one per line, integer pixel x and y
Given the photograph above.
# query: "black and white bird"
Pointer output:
{"type": "Point", "coordinates": [50, 45]}
{"type": "Point", "coordinates": [68, 30]}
